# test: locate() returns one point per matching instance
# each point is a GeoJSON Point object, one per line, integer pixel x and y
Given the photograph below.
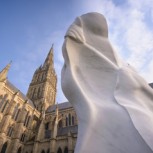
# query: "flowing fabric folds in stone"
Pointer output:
{"type": "Point", "coordinates": [113, 103]}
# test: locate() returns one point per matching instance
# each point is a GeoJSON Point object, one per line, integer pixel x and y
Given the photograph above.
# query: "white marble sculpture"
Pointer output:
{"type": "Point", "coordinates": [113, 103]}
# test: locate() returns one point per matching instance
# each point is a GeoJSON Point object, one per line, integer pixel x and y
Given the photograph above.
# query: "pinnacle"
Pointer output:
{"type": "Point", "coordinates": [4, 72]}
{"type": "Point", "coordinates": [49, 58]}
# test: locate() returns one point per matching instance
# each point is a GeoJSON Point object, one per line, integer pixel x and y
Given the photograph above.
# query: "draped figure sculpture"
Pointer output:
{"type": "Point", "coordinates": [113, 103]}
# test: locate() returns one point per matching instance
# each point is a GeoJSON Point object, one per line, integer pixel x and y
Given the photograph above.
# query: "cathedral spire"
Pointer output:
{"type": "Point", "coordinates": [49, 58]}
{"type": "Point", "coordinates": [42, 89]}
{"type": "Point", "coordinates": [4, 72]}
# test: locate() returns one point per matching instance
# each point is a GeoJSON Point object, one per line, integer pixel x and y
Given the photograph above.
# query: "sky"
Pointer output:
{"type": "Point", "coordinates": [29, 27]}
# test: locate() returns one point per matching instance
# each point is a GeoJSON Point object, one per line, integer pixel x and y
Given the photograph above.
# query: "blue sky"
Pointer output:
{"type": "Point", "coordinates": [29, 27]}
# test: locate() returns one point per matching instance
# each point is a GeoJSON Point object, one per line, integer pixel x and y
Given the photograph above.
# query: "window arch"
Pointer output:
{"type": "Point", "coordinates": [4, 147]}
{"type": "Point", "coordinates": [69, 119]}
{"type": "Point", "coordinates": [10, 131]}
{"type": "Point", "coordinates": [5, 106]}
{"type": "Point", "coordinates": [39, 92]}
{"type": "Point", "coordinates": [59, 150]}
{"type": "Point", "coordinates": [48, 151]}
{"type": "Point", "coordinates": [15, 111]}
{"type": "Point", "coordinates": [42, 76]}
{"type": "Point", "coordinates": [66, 121]}
{"type": "Point", "coordinates": [17, 114]}
{"type": "Point", "coordinates": [66, 150]}
{"type": "Point", "coordinates": [42, 151]}
{"type": "Point", "coordinates": [22, 139]}
{"type": "Point", "coordinates": [60, 124]}
{"type": "Point", "coordinates": [47, 130]}
{"type": "Point", "coordinates": [27, 118]}
{"type": "Point", "coordinates": [3, 98]}
{"type": "Point", "coordinates": [33, 94]}
{"type": "Point", "coordinates": [47, 126]}
{"type": "Point", "coordinates": [72, 120]}
{"type": "Point", "coordinates": [19, 150]}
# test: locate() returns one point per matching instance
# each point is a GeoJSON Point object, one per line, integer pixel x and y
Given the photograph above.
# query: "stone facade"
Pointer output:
{"type": "Point", "coordinates": [33, 123]}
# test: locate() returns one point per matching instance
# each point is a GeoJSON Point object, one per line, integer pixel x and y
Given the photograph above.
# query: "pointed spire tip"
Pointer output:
{"type": "Point", "coordinates": [4, 72]}
{"type": "Point", "coordinates": [52, 48]}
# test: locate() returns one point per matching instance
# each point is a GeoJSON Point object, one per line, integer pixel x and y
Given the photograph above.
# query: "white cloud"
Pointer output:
{"type": "Point", "coordinates": [130, 32]}
{"type": "Point", "coordinates": [130, 26]}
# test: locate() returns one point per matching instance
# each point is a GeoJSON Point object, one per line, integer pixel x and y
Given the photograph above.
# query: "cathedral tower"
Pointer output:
{"type": "Point", "coordinates": [42, 89]}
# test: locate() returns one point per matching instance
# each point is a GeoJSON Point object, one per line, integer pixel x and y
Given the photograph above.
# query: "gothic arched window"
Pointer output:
{"type": "Point", "coordinates": [10, 131]}
{"type": "Point", "coordinates": [66, 150]}
{"type": "Point", "coordinates": [66, 121]}
{"type": "Point", "coordinates": [33, 94]}
{"type": "Point", "coordinates": [19, 150]}
{"type": "Point", "coordinates": [2, 100]}
{"type": "Point", "coordinates": [15, 111]}
{"type": "Point", "coordinates": [72, 120]}
{"type": "Point", "coordinates": [17, 114]}
{"type": "Point", "coordinates": [60, 124]}
{"type": "Point", "coordinates": [39, 92]}
{"type": "Point", "coordinates": [5, 106]}
{"type": "Point", "coordinates": [48, 151]}
{"type": "Point", "coordinates": [4, 147]}
{"type": "Point", "coordinates": [47, 126]}
{"type": "Point", "coordinates": [69, 119]}
{"type": "Point", "coordinates": [47, 131]}
{"type": "Point", "coordinates": [22, 139]}
{"type": "Point", "coordinates": [42, 151]}
{"type": "Point", "coordinates": [42, 77]}
{"type": "Point", "coordinates": [59, 150]}
{"type": "Point", "coordinates": [26, 119]}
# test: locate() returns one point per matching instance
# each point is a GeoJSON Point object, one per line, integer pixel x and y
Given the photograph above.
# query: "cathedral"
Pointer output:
{"type": "Point", "coordinates": [34, 123]}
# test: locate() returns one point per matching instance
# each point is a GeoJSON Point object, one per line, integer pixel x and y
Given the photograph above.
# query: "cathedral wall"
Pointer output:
{"type": "Point", "coordinates": [16, 117]}
{"type": "Point", "coordinates": [24, 135]}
